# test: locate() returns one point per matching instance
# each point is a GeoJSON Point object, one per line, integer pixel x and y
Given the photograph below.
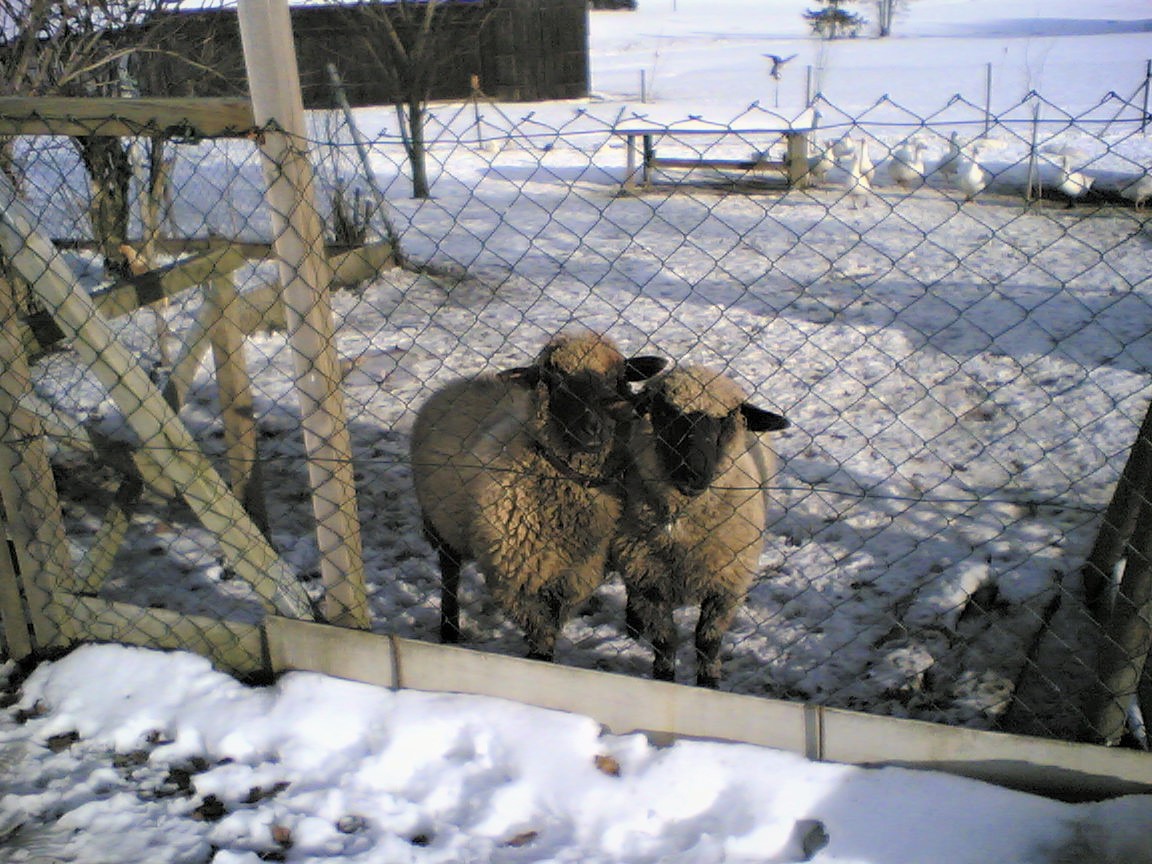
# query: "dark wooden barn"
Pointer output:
{"type": "Point", "coordinates": [520, 50]}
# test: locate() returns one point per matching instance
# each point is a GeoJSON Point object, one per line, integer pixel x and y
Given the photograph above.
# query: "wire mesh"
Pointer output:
{"type": "Point", "coordinates": [964, 373]}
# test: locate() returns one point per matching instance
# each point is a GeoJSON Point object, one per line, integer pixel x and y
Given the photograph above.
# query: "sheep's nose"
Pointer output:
{"type": "Point", "coordinates": [586, 433]}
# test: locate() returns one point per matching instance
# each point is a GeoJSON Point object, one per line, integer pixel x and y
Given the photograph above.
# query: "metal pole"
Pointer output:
{"type": "Point", "coordinates": [1144, 107]}
{"type": "Point", "coordinates": [987, 97]}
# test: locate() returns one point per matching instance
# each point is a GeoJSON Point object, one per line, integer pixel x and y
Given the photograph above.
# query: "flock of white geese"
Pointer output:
{"type": "Point", "coordinates": [959, 167]}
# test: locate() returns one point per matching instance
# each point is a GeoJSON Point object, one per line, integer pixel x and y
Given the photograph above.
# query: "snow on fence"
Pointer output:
{"type": "Point", "coordinates": [965, 373]}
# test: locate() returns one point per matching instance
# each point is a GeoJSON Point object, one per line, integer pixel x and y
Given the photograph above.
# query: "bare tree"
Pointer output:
{"type": "Point", "coordinates": [81, 48]}
{"type": "Point", "coordinates": [886, 14]}
{"type": "Point", "coordinates": [412, 42]}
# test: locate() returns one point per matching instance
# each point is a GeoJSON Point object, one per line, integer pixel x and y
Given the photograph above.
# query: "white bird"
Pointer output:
{"type": "Point", "coordinates": [820, 164]}
{"type": "Point", "coordinates": [844, 149]}
{"type": "Point", "coordinates": [867, 167]}
{"type": "Point", "coordinates": [1073, 184]}
{"type": "Point", "coordinates": [1139, 190]}
{"type": "Point", "coordinates": [971, 178]}
{"type": "Point", "coordinates": [947, 164]}
{"type": "Point", "coordinates": [906, 167]}
{"type": "Point", "coordinates": [859, 186]}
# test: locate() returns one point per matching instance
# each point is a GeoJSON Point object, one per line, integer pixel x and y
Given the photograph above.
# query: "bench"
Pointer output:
{"type": "Point", "coordinates": [642, 140]}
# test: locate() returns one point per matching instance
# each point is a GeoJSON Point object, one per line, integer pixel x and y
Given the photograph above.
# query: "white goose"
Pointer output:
{"type": "Point", "coordinates": [971, 178]}
{"type": "Point", "coordinates": [843, 149]}
{"type": "Point", "coordinates": [1139, 190]}
{"type": "Point", "coordinates": [859, 186]}
{"type": "Point", "coordinates": [820, 164]}
{"type": "Point", "coordinates": [867, 167]}
{"type": "Point", "coordinates": [906, 167]}
{"type": "Point", "coordinates": [948, 162]}
{"type": "Point", "coordinates": [1072, 184]}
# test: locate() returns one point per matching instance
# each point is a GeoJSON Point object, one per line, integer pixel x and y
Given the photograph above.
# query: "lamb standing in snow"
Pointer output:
{"type": "Point", "coordinates": [694, 512]}
{"type": "Point", "coordinates": [519, 472]}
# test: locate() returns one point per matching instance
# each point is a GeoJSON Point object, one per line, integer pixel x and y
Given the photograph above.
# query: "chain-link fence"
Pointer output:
{"type": "Point", "coordinates": [965, 370]}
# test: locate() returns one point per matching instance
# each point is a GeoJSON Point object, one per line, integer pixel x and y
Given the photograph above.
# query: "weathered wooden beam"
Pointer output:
{"type": "Point", "coordinates": [361, 264]}
{"type": "Point", "coordinates": [270, 59]}
{"type": "Point", "coordinates": [15, 628]}
{"type": "Point", "coordinates": [234, 393]}
{"type": "Point", "coordinates": [145, 410]}
{"type": "Point", "coordinates": [666, 711]}
{"type": "Point", "coordinates": [163, 283]}
{"type": "Point", "coordinates": [28, 489]}
{"type": "Point", "coordinates": [169, 118]}
{"type": "Point", "coordinates": [236, 646]}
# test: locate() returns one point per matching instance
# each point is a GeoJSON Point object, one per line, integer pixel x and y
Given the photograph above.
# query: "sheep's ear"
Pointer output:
{"type": "Point", "coordinates": [643, 367]}
{"type": "Point", "coordinates": [759, 420]}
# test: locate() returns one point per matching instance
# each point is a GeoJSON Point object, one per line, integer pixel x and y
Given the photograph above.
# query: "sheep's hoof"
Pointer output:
{"type": "Point", "coordinates": [709, 681]}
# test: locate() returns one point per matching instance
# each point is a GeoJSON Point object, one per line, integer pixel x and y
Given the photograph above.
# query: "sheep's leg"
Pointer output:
{"type": "Point", "coordinates": [662, 631]}
{"type": "Point", "coordinates": [449, 597]}
{"type": "Point", "coordinates": [542, 616]}
{"type": "Point", "coordinates": [648, 615]}
{"type": "Point", "coordinates": [716, 613]}
{"type": "Point", "coordinates": [633, 618]}
{"type": "Point", "coordinates": [450, 564]}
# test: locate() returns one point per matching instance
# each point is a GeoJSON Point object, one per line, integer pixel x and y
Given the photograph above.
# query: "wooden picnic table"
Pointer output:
{"type": "Point", "coordinates": [641, 140]}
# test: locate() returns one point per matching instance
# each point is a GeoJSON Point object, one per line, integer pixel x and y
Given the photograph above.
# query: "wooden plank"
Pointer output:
{"type": "Point", "coordinates": [101, 555]}
{"type": "Point", "coordinates": [1067, 770]}
{"type": "Point", "coordinates": [266, 33]}
{"type": "Point", "coordinates": [235, 646]}
{"type": "Point", "coordinates": [15, 629]}
{"type": "Point", "coordinates": [166, 282]}
{"type": "Point", "coordinates": [170, 118]}
{"type": "Point", "coordinates": [27, 487]}
{"type": "Point", "coordinates": [258, 308]}
{"type": "Point", "coordinates": [718, 164]}
{"type": "Point", "coordinates": [234, 389]}
{"type": "Point", "coordinates": [361, 264]}
{"type": "Point", "coordinates": [356, 655]}
{"type": "Point", "coordinates": [667, 711]}
{"type": "Point", "coordinates": [151, 418]}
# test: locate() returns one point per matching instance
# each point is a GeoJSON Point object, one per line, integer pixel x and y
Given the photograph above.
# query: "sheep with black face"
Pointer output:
{"type": "Point", "coordinates": [694, 512]}
{"type": "Point", "coordinates": [520, 471]}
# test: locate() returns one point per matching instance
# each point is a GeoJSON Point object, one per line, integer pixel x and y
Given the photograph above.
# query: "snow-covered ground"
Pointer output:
{"type": "Point", "coordinates": [127, 755]}
{"type": "Point", "coordinates": [964, 380]}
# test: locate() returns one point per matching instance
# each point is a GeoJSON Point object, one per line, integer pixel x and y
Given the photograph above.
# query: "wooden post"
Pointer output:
{"type": "Point", "coordinates": [273, 79]}
{"type": "Point", "coordinates": [1128, 636]}
{"type": "Point", "coordinates": [798, 175]}
{"type": "Point", "coordinates": [147, 413]}
{"type": "Point", "coordinates": [28, 498]}
{"type": "Point", "coordinates": [1119, 523]}
{"type": "Point", "coordinates": [15, 632]}
{"type": "Point", "coordinates": [235, 395]}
